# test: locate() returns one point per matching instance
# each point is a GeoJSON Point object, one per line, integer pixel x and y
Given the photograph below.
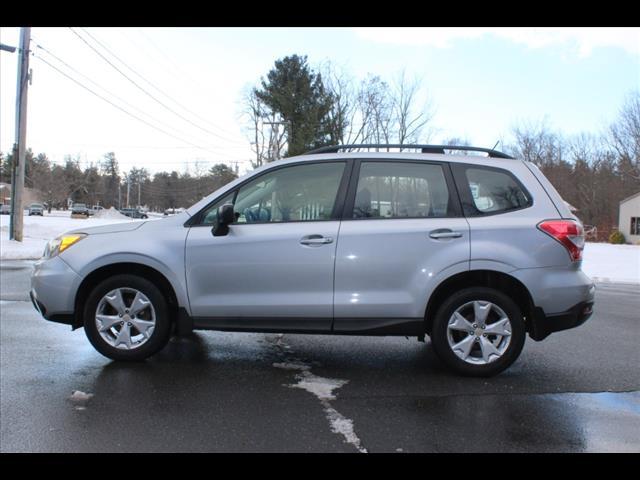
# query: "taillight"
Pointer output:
{"type": "Point", "coordinates": [568, 232]}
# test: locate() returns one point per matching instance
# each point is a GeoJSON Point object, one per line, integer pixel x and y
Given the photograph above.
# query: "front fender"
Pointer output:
{"type": "Point", "coordinates": [175, 278]}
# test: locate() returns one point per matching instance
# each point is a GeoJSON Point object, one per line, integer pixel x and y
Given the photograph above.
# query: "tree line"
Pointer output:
{"type": "Point", "coordinates": [593, 171]}
{"type": "Point", "coordinates": [102, 183]}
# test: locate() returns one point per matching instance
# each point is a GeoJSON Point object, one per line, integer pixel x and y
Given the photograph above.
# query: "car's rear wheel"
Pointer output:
{"type": "Point", "coordinates": [478, 331]}
{"type": "Point", "coordinates": [126, 318]}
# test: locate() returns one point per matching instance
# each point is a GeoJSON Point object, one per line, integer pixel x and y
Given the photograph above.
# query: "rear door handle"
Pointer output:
{"type": "Point", "coordinates": [315, 240]}
{"type": "Point", "coordinates": [444, 233]}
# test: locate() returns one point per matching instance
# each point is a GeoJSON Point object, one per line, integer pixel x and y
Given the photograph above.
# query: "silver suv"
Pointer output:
{"type": "Point", "coordinates": [474, 251]}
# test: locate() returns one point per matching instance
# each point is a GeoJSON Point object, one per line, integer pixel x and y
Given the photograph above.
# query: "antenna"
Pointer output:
{"type": "Point", "coordinates": [494, 147]}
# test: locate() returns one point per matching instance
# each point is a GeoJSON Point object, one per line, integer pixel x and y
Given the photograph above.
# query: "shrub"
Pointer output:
{"type": "Point", "coordinates": [617, 238]}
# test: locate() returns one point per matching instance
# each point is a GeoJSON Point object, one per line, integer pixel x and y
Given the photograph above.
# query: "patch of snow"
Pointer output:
{"type": "Point", "coordinates": [80, 396]}
{"type": "Point", "coordinates": [323, 388]}
{"type": "Point", "coordinates": [343, 426]}
{"type": "Point", "coordinates": [604, 262]}
{"type": "Point", "coordinates": [80, 399]}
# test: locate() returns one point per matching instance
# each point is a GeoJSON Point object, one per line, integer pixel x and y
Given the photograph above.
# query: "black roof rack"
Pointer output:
{"type": "Point", "coordinates": [423, 148]}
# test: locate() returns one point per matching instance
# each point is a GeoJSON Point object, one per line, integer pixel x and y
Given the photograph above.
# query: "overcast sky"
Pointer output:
{"type": "Point", "coordinates": [480, 82]}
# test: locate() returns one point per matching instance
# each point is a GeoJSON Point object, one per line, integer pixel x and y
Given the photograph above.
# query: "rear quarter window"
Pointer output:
{"type": "Point", "coordinates": [489, 190]}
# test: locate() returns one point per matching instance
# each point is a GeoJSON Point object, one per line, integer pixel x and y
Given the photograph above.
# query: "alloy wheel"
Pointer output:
{"type": "Point", "coordinates": [125, 318]}
{"type": "Point", "coordinates": [479, 332]}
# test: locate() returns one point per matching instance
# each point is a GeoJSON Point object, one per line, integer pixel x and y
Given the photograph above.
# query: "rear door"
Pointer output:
{"type": "Point", "coordinates": [402, 233]}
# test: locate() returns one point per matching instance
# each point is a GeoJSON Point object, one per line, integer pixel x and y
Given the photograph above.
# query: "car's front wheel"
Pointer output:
{"type": "Point", "coordinates": [126, 318]}
{"type": "Point", "coordinates": [478, 331]}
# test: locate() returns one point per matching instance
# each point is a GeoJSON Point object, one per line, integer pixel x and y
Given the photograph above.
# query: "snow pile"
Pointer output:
{"type": "Point", "coordinates": [604, 262]}
{"type": "Point", "coordinates": [111, 214]}
{"type": "Point", "coordinates": [29, 248]}
{"type": "Point", "coordinates": [39, 230]}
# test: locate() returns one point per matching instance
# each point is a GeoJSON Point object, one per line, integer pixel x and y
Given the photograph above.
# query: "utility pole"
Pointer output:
{"type": "Point", "coordinates": [19, 149]}
{"type": "Point", "coordinates": [128, 185]}
{"type": "Point", "coordinates": [139, 192]}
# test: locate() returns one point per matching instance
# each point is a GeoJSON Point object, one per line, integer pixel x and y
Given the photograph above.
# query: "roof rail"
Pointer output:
{"type": "Point", "coordinates": [423, 148]}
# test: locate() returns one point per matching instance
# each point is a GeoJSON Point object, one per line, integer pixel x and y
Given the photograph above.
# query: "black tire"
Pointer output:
{"type": "Point", "coordinates": [158, 338]}
{"type": "Point", "coordinates": [440, 326]}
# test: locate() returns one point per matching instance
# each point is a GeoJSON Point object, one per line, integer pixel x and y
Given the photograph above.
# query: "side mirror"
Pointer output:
{"type": "Point", "coordinates": [226, 217]}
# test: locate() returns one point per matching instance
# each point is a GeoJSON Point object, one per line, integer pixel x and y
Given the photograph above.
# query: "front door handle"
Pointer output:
{"type": "Point", "coordinates": [444, 233]}
{"type": "Point", "coordinates": [315, 240]}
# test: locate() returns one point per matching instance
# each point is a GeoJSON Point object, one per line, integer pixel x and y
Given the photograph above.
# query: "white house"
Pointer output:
{"type": "Point", "coordinates": [629, 218]}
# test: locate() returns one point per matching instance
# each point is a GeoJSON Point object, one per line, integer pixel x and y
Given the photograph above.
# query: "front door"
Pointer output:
{"type": "Point", "coordinates": [274, 269]}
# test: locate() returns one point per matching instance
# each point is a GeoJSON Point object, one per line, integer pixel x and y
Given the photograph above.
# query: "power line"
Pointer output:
{"type": "Point", "coordinates": [140, 87]}
{"type": "Point", "coordinates": [49, 52]}
{"type": "Point", "coordinates": [121, 99]}
{"type": "Point", "coordinates": [122, 109]}
{"type": "Point", "coordinates": [185, 75]}
{"type": "Point", "coordinates": [109, 92]}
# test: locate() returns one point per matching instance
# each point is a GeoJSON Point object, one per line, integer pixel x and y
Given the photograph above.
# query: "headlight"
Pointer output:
{"type": "Point", "coordinates": [61, 243]}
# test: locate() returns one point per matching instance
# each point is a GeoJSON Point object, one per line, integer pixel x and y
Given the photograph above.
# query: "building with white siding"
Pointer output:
{"type": "Point", "coordinates": [629, 218]}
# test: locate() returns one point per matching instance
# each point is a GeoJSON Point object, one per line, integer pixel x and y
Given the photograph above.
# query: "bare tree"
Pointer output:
{"type": "Point", "coordinates": [376, 110]}
{"type": "Point", "coordinates": [264, 129]}
{"type": "Point", "coordinates": [409, 121]}
{"type": "Point", "coordinates": [624, 136]}
{"type": "Point", "coordinates": [253, 112]}
{"type": "Point", "coordinates": [536, 143]}
{"type": "Point", "coordinates": [343, 115]}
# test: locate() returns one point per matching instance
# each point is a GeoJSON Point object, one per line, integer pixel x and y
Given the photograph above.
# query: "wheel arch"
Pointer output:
{"type": "Point", "coordinates": [129, 268]}
{"type": "Point", "coordinates": [481, 278]}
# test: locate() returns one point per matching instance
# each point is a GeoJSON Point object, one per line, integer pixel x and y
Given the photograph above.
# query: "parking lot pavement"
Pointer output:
{"type": "Point", "coordinates": [576, 391]}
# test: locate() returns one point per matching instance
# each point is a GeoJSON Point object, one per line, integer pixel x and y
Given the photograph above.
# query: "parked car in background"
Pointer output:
{"type": "Point", "coordinates": [79, 210]}
{"type": "Point", "coordinates": [173, 211]}
{"type": "Point", "coordinates": [475, 252]}
{"type": "Point", "coordinates": [133, 213]}
{"type": "Point", "coordinates": [5, 209]}
{"type": "Point", "coordinates": [36, 209]}
{"type": "Point", "coordinates": [95, 209]}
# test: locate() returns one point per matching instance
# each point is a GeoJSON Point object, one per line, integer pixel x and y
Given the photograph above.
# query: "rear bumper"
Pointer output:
{"type": "Point", "coordinates": [543, 325]}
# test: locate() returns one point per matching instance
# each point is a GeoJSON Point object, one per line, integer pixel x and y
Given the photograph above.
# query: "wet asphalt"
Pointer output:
{"type": "Point", "coordinates": [577, 391]}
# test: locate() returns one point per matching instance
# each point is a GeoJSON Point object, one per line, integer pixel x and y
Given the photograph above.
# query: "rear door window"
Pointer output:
{"type": "Point", "coordinates": [401, 190]}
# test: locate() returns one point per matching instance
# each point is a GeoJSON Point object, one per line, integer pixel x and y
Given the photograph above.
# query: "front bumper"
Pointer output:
{"type": "Point", "coordinates": [53, 287]}
{"type": "Point", "coordinates": [543, 325]}
{"type": "Point", "coordinates": [66, 318]}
